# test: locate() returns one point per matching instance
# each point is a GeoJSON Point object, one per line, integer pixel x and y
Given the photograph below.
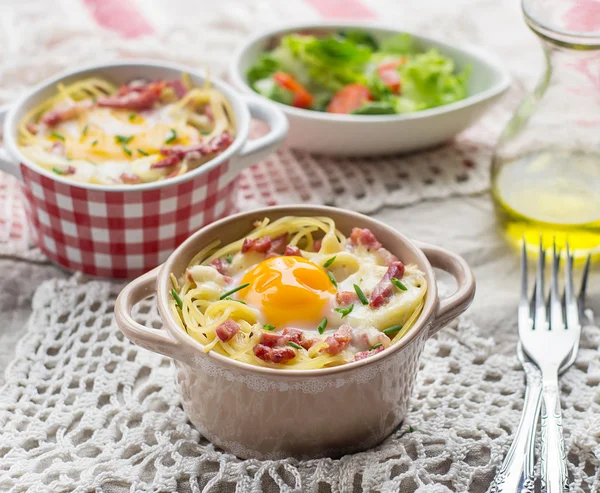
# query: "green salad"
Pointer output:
{"type": "Point", "coordinates": [351, 72]}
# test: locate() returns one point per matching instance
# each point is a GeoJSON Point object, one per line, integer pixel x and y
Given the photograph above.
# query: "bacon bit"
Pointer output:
{"type": "Point", "coordinates": [287, 335]}
{"type": "Point", "coordinates": [130, 178]}
{"type": "Point", "coordinates": [292, 251]}
{"type": "Point", "coordinates": [178, 87]}
{"type": "Point", "coordinates": [367, 239]}
{"type": "Point", "coordinates": [136, 98]}
{"type": "Point", "coordinates": [345, 298]}
{"type": "Point", "coordinates": [70, 170]}
{"type": "Point", "coordinates": [297, 336]}
{"type": "Point", "coordinates": [167, 162]}
{"type": "Point", "coordinates": [219, 265]}
{"type": "Point", "coordinates": [338, 341]}
{"type": "Point", "coordinates": [274, 355]}
{"type": "Point", "coordinates": [227, 330]}
{"type": "Point", "coordinates": [260, 245]}
{"type": "Point", "coordinates": [365, 354]}
{"type": "Point", "coordinates": [317, 245]}
{"type": "Point", "coordinates": [278, 244]}
{"type": "Point", "coordinates": [227, 279]}
{"type": "Point", "coordinates": [384, 288]}
{"type": "Point", "coordinates": [188, 274]}
{"type": "Point", "coordinates": [32, 128]}
{"type": "Point", "coordinates": [216, 144]}
{"type": "Point", "coordinates": [270, 340]}
{"type": "Point", "coordinates": [364, 237]}
{"type": "Point", "coordinates": [64, 113]}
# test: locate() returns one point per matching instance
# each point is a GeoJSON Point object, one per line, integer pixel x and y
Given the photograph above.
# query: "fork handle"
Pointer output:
{"type": "Point", "coordinates": [517, 472]}
{"type": "Point", "coordinates": [553, 460]}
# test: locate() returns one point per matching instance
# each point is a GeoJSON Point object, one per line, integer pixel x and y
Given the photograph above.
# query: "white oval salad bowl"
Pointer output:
{"type": "Point", "coordinates": [350, 134]}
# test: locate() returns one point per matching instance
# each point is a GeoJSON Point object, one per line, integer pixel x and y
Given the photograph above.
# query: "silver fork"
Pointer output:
{"type": "Point", "coordinates": [517, 472]}
{"type": "Point", "coordinates": [548, 341]}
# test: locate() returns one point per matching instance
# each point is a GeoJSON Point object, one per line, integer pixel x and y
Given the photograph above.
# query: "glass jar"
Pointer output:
{"type": "Point", "coordinates": [546, 167]}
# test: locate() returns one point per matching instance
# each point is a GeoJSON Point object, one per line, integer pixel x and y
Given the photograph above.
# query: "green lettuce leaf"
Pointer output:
{"type": "Point", "coordinates": [401, 44]}
{"type": "Point", "coordinates": [428, 80]}
{"type": "Point", "coordinates": [264, 67]}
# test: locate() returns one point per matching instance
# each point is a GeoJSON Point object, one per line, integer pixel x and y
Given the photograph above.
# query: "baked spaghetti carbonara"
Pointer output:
{"type": "Point", "coordinates": [296, 293]}
{"type": "Point", "coordinates": [95, 132]}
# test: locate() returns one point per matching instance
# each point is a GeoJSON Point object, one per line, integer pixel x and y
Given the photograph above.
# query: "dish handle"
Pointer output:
{"type": "Point", "coordinates": [256, 150]}
{"type": "Point", "coordinates": [452, 306]}
{"type": "Point", "coordinates": [156, 340]}
{"type": "Point", "coordinates": [6, 163]}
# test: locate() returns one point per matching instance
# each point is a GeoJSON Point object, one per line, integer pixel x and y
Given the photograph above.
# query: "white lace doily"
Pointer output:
{"type": "Point", "coordinates": [85, 410]}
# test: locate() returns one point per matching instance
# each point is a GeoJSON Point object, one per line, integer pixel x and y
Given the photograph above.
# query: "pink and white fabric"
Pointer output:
{"type": "Point", "coordinates": [121, 234]}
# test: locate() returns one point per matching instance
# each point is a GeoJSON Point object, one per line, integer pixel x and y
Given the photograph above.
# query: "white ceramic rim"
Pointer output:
{"type": "Point", "coordinates": [422, 323]}
{"type": "Point", "coordinates": [503, 83]}
{"type": "Point", "coordinates": [242, 122]}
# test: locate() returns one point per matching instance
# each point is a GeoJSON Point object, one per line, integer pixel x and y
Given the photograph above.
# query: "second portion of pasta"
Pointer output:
{"type": "Point", "coordinates": [94, 132]}
{"type": "Point", "coordinates": [296, 293]}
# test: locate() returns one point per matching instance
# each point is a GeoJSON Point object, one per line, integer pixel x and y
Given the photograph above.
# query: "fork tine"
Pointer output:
{"type": "Point", "coordinates": [556, 315]}
{"type": "Point", "coordinates": [524, 311]}
{"type": "Point", "coordinates": [540, 305]}
{"type": "Point", "coordinates": [583, 288]}
{"type": "Point", "coordinates": [571, 306]}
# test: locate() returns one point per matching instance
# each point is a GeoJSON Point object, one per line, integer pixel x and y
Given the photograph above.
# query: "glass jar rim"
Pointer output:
{"type": "Point", "coordinates": [542, 24]}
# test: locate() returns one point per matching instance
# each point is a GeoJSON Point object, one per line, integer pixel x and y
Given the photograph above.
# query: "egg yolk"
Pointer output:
{"type": "Point", "coordinates": [288, 290]}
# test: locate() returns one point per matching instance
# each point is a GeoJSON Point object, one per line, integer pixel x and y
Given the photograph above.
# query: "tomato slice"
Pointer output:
{"type": "Point", "coordinates": [302, 98]}
{"type": "Point", "coordinates": [388, 73]}
{"type": "Point", "coordinates": [350, 98]}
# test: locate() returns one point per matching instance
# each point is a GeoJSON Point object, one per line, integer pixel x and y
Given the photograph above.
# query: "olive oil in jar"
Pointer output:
{"type": "Point", "coordinates": [554, 194]}
{"type": "Point", "coordinates": [546, 166]}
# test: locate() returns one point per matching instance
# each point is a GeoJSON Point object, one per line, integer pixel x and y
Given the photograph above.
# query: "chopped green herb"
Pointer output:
{"type": "Point", "coordinates": [126, 149]}
{"type": "Point", "coordinates": [234, 290]}
{"type": "Point", "coordinates": [411, 429]}
{"type": "Point", "coordinates": [321, 327]}
{"type": "Point", "coordinates": [142, 152]}
{"type": "Point", "coordinates": [229, 258]}
{"type": "Point", "coordinates": [268, 327]}
{"type": "Point", "coordinates": [131, 117]}
{"type": "Point", "coordinates": [239, 301]}
{"type": "Point", "coordinates": [123, 139]}
{"type": "Point", "coordinates": [171, 138]}
{"type": "Point", "coordinates": [361, 296]}
{"type": "Point", "coordinates": [204, 132]}
{"type": "Point", "coordinates": [57, 136]}
{"type": "Point", "coordinates": [332, 279]}
{"type": "Point", "coordinates": [329, 262]}
{"type": "Point", "coordinates": [177, 298]}
{"type": "Point", "coordinates": [294, 345]}
{"type": "Point", "coordinates": [375, 346]}
{"type": "Point", "coordinates": [392, 330]}
{"type": "Point", "coordinates": [84, 131]}
{"type": "Point", "coordinates": [399, 284]}
{"type": "Point", "coordinates": [94, 143]}
{"type": "Point", "coordinates": [344, 311]}
{"type": "Point", "coordinates": [58, 171]}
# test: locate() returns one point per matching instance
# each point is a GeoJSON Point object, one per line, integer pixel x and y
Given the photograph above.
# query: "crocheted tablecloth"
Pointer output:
{"type": "Point", "coordinates": [83, 409]}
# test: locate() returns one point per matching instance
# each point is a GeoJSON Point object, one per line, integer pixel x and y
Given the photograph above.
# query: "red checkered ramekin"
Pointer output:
{"type": "Point", "coordinates": [125, 230]}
